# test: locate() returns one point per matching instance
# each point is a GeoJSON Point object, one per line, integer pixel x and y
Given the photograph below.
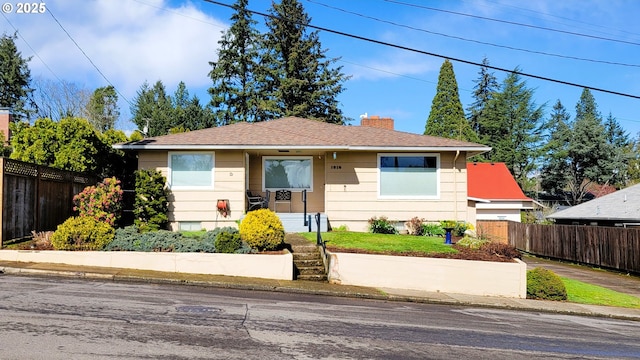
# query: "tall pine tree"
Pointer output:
{"type": "Point", "coordinates": [622, 148]}
{"type": "Point", "coordinates": [298, 78]}
{"type": "Point", "coordinates": [554, 176]}
{"type": "Point", "coordinates": [512, 127]}
{"type": "Point", "coordinates": [234, 93]}
{"type": "Point", "coordinates": [446, 118]}
{"type": "Point", "coordinates": [589, 152]}
{"type": "Point", "coordinates": [152, 109]}
{"type": "Point", "coordinates": [15, 79]}
{"type": "Point", "coordinates": [485, 89]}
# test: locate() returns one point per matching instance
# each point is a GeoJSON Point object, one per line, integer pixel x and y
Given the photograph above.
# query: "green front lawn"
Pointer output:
{"type": "Point", "coordinates": [583, 293]}
{"type": "Point", "coordinates": [382, 243]}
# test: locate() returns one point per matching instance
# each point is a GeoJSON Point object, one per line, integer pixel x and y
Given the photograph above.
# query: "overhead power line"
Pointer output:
{"type": "Point", "coordinates": [471, 40]}
{"type": "Point", "coordinates": [514, 23]}
{"type": "Point", "coordinates": [384, 43]}
{"type": "Point", "coordinates": [88, 58]}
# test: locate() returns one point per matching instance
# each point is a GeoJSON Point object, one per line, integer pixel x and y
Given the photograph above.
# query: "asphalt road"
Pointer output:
{"type": "Point", "coordinates": [53, 318]}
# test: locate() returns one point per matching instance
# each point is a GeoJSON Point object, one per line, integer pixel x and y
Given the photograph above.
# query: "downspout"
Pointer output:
{"type": "Point", "coordinates": [455, 186]}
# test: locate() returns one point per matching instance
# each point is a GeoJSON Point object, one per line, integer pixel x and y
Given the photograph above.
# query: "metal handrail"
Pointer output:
{"type": "Point", "coordinates": [304, 201]}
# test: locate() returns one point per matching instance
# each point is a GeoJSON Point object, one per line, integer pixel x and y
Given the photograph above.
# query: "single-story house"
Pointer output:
{"type": "Point", "coordinates": [495, 193]}
{"type": "Point", "coordinates": [349, 174]}
{"type": "Point", "coordinates": [620, 208]}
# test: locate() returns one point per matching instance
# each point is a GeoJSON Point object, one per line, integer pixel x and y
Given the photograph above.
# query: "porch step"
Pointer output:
{"type": "Point", "coordinates": [294, 222]}
{"type": "Point", "coordinates": [307, 260]}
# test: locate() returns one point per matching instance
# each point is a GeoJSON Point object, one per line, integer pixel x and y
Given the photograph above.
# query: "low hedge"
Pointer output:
{"type": "Point", "coordinates": [131, 239]}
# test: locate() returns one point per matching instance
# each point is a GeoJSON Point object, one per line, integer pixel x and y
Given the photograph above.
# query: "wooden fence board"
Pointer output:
{"type": "Point", "coordinates": [608, 247]}
{"type": "Point", "coordinates": [36, 198]}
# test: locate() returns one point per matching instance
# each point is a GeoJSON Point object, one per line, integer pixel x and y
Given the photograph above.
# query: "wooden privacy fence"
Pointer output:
{"type": "Point", "coordinates": [35, 197]}
{"type": "Point", "coordinates": [607, 247]}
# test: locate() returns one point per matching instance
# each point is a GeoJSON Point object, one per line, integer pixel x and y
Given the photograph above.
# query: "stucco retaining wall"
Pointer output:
{"type": "Point", "coordinates": [249, 265]}
{"type": "Point", "coordinates": [430, 274]}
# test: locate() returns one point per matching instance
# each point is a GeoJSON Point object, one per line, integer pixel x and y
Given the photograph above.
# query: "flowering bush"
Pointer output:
{"type": "Point", "coordinates": [102, 202]}
{"type": "Point", "coordinates": [381, 225]}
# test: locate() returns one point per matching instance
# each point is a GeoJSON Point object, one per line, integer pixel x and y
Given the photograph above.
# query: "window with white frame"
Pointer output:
{"type": "Point", "coordinates": [293, 173]}
{"type": "Point", "coordinates": [408, 176]}
{"type": "Point", "coordinates": [191, 170]}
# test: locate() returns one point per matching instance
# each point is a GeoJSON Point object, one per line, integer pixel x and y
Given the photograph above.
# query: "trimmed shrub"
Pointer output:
{"type": "Point", "coordinates": [228, 243]}
{"type": "Point", "coordinates": [544, 284]}
{"type": "Point", "coordinates": [381, 225]}
{"type": "Point", "coordinates": [82, 233]}
{"type": "Point", "coordinates": [102, 202]}
{"type": "Point", "coordinates": [471, 243]}
{"type": "Point", "coordinates": [131, 239]}
{"type": "Point", "coordinates": [432, 230]}
{"type": "Point", "coordinates": [262, 230]}
{"type": "Point", "coordinates": [151, 204]}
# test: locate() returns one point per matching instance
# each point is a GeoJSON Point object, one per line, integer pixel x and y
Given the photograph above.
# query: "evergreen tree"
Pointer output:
{"type": "Point", "coordinates": [102, 109]}
{"type": "Point", "coordinates": [589, 152]}
{"type": "Point", "coordinates": [15, 79]}
{"type": "Point", "coordinates": [188, 113]}
{"type": "Point", "coordinates": [446, 118]}
{"type": "Point", "coordinates": [512, 127]}
{"type": "Point", "coordinates": [622, 147]}
{"type": "Point", "coordinates": [297, 77]}
{"type": "Point", "coordinates": [633, 168]}
{"type": "Point", "coordinates": [556, 150]}
{"type": "Point", "coordinates": [234, 94]}
{"type": "Point", "coordinates": [152, 110]}
{"type": "Point", "coordinates": [485, 89]}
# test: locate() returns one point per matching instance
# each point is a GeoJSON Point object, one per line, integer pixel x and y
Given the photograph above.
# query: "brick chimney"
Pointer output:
{"type": "Point", "coordinates": [377, 122]}
{"type": "Point", "coordinates": [5, 119]}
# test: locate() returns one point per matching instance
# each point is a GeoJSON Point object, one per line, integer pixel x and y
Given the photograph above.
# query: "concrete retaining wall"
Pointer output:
{"type": "Point", "coordinates": [484, 278]}
{"type": "Point", "coordinates": [249, 265]}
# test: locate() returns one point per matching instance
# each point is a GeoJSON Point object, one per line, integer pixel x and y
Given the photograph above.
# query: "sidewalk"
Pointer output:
{"type": "Point", "coordinates": [322, 288]}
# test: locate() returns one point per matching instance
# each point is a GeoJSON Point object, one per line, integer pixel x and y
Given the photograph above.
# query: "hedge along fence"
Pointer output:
{"type": "Point", "coordinates": [36, 197]}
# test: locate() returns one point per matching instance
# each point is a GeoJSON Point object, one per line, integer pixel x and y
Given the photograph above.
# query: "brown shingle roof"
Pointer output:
{"type": "Point", "coordinates": [293, 132]}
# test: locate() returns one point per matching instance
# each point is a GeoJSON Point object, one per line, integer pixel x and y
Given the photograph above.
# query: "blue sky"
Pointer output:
{"type": "Point", "coordinates": [126, 42]}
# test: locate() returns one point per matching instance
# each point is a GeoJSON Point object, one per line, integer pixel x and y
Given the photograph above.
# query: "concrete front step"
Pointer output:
{"type": "Point", "coordinates": [314, 262]}
{"type": "Point", "coordinates": [312, 277]}
{"type": "Point", "coordinates": [310, 270]}
{"type": "Point", "coordinates": [294, 222]}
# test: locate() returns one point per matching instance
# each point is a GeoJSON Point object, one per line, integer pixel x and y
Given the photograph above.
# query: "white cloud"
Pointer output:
{"type": "Point", "coordinates": [130, 42]}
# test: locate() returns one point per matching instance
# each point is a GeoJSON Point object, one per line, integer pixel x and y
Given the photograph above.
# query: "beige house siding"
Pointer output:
{"type": "Point", "coordinates": [200, 206]}
{"type": "Point", "coordinates": [352, 192]}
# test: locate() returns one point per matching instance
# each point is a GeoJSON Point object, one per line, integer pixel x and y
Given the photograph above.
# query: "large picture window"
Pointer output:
{"type": "Point", "coordinates": [293, 173]}
{"type": "Point", "coordinates": [191, 170]}
{"type": "Point", "coordinates": [408, 176]}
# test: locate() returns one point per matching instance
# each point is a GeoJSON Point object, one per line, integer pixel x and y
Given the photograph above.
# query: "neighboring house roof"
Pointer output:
{"type": "Point", "coordinates": [299, 133]}
{"type": "Point", "coordinates": [492, 182]}
{"type": "Point", "coordinates": [620, 205]}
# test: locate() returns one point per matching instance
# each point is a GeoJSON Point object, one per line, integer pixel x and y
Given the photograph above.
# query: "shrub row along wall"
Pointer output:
{"type": "Point", "coordinates": [607, 247]}
{"type": "Point", "coordinates": [35, 197]}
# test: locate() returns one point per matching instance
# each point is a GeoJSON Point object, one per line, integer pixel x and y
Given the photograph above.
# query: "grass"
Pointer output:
{"type": "Point", "coordinates": [383, 242]}
{"type": "Point", "coordinates": [583, 293]}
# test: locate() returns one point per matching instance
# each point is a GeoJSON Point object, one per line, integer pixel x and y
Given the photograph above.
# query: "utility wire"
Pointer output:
{"type": "Point", "coordinates": [515, 71]}
{"type": "Point", "coordinates": [473, 41]}
{"type": "Point", "coordinates": [513, 23]}
{"type": "Point", "coordinates": [31, 48]}
{"type": "Point", "coordinates": [88, 58]}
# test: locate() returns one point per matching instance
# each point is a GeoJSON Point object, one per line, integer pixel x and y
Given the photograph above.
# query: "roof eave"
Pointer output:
{"type": "Point", "coordinates": [468, 150]}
